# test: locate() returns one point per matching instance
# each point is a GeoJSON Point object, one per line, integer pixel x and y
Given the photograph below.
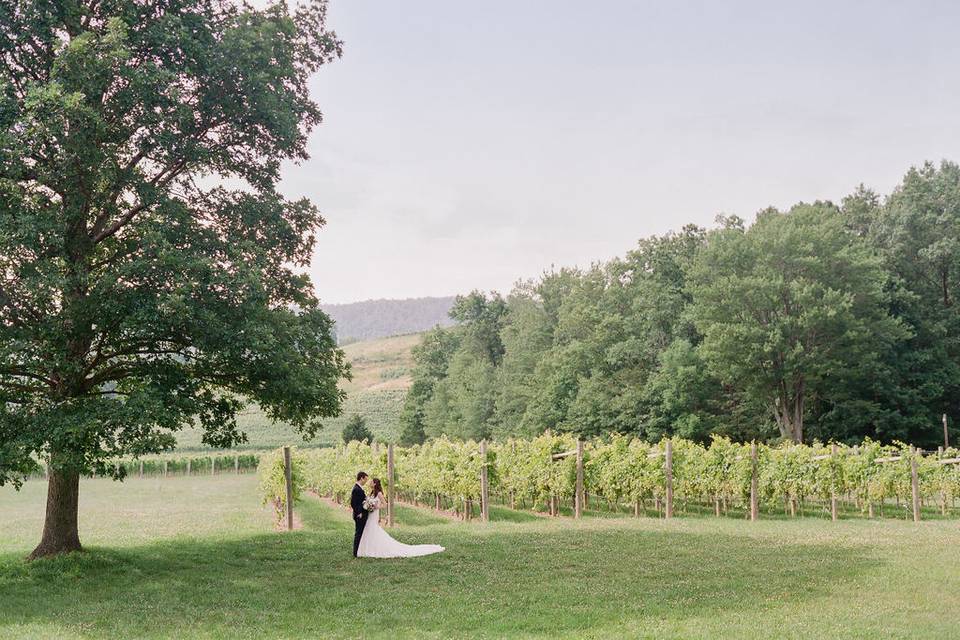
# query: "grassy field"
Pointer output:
{"type": "Point", "coordinates": [381, 376]}
{"type": "Point", "coordinates": [198, 558]}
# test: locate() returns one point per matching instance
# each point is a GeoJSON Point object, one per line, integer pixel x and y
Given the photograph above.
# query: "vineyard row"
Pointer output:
{"type": "Point", "coordinates": [184, 465]}
{"type": "Point", "coordinates": [551, 470]}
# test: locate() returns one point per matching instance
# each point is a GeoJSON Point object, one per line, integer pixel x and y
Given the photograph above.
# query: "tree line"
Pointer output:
{"type": "Point", "coordinates": [823, 322]}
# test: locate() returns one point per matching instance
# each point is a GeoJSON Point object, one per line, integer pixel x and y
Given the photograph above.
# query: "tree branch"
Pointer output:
{"type": "Point", "coordinates": [162, 179]}
{"type": "Point", "coordinates": [23, 388]}
{"type": "Point", "coordinates": [15, 371]}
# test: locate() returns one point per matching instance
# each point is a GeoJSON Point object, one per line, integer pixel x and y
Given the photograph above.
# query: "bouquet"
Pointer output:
{"type": "Point", "coordinates": [371, 503]}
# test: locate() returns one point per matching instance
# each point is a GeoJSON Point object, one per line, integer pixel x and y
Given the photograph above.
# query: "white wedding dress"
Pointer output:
{"type": "Point", "coordinates": [377, 543]}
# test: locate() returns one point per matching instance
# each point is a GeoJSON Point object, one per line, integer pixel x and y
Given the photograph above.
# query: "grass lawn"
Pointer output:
{"type": "Point", "coordinates": [198, 558]}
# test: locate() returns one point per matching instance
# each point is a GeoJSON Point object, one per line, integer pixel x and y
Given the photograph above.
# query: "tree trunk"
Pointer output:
{"type": "Point", "coordinates": [60, 533]}
{"type": "Point", "coordinates": [798, 413]}
{"type": "Point", "coordinates": [946, 290]}
{"type": "Point", "coordinates": [788, 409]}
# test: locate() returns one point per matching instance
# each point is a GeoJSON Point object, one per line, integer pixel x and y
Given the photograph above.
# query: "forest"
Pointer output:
{"type": "Point", "coordinates": [824, 322]}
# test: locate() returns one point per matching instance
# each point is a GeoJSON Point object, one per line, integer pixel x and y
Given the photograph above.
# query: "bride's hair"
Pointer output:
{"type": "Point", "coordinates": [377, 489]}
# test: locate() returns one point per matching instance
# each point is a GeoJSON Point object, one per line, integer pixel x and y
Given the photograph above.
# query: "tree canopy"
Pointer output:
{"type": "Point", "coordinates": [791, 309]}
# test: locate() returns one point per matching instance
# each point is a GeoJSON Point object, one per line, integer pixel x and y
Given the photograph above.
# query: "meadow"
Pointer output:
{"type": "Point", "coordinates": [198, 557]}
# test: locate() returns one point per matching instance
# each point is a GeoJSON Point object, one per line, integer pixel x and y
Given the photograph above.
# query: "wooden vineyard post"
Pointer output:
{"type": "Point", "coordinates": [946, 434]}
{"type": "Point", "coordinates": [141, 468]}
{"type": "Point", "coordinates": [943, 496]}
{"type": "Point", "coordinates": [288, 476]}
{"type": "Point", "coordinates": [390, 485]}
{"type": "Point", "coordinates": [236, 463]}
{"type": "Point", "coordinates": [754, 511]}
{"type": "Point", "coordinates": [578, 498]}
{"type": "Point", "coordinates": [189, 460]}
{"type": "Point", "coordinates": [914, 485]}
{"type": "Point", "coordinates": [164, 468]}
{"type": "Point", "coordinates": [833, 486]}
{"type": "Point", "coordinates": [668, 474]}
{"type": "Point", "coordinates": [484, 487]}
{"type": "Point", "coordinates": [213, 465]}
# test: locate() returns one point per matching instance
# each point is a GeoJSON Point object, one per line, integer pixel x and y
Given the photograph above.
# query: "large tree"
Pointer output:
{"type": "Point", "coordinates": [459, 401]}
{"type": "Point", "coordinates": [138, 291]}
{"type": "Point", "coordinates": [527, 335]}
{"type": "Point", "coordinates": [432, 359]}
{"type": "Point", "coordinates": [791, 309]}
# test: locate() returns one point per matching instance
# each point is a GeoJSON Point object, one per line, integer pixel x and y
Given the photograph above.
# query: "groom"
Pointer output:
{"type": "Point", "coordinates": [359, 513]}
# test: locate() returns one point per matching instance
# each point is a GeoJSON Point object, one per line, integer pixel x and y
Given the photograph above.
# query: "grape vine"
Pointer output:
{"type": "Point", "coordinates": [624, 471]}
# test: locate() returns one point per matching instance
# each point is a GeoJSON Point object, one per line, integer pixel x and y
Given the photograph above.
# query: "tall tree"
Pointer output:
{"type": "Point", "coordinates": [460, 400]}
{"type": "Point", "coordinates": [527, 335]}
{"type": "Point", "coordinates": [462, 405]}
{"type": "Point", "coordinates": [918, 233]}
{"type": "Point", "coordinates": [481, 320]}
{"type": "Point", "coordinates": [135, 297]}
{"type": "Point", "coordinates": [682, 395]}
{"type": "Point", "coordinates": [431, 359]}
{"type": "Point", "coordinates": [790, 307]}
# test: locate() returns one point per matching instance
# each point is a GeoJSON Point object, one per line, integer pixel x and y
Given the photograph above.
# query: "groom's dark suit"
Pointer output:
{"type": "Point", "coordinates": [359, 515]}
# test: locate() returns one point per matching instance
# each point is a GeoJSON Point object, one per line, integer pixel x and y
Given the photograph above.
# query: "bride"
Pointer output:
{"type": "Point", "coordinates": [377, 543]}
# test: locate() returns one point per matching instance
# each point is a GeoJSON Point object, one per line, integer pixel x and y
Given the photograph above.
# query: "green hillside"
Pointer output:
{"type": "Point", "coordinates": [381, 377]}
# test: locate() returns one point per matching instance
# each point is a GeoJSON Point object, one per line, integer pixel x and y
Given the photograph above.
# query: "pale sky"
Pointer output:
{"type": "Point", "coordinates": [470, 144]}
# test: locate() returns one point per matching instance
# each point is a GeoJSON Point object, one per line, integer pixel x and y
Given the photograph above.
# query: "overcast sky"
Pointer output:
{"type": "Point", "coordinates": [470, 144]}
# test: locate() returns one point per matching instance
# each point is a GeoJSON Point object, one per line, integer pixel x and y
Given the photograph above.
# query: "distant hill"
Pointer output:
{"type": "Point", "coordinates": [381, 377]}
{"type": "Point", "coordinates": [373, 319]}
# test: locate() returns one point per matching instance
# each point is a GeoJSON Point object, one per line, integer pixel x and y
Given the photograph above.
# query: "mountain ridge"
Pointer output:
{"type": "Point", "coordinates": [385, 317]}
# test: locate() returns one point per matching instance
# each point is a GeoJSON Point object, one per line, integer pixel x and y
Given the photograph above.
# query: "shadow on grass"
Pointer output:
{"type": "Point", "coordinates": [416, 515]}
{"type": "Point", "coordinates": [506, 514]}
{"type": "Point", "coordinates": [535, 579]}
{"type": "Point", "coordinates": [406, 516]}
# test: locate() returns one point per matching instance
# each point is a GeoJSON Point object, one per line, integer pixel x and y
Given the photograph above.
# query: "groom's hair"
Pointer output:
{"type": "Point", "coordinates": [361, 476]}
